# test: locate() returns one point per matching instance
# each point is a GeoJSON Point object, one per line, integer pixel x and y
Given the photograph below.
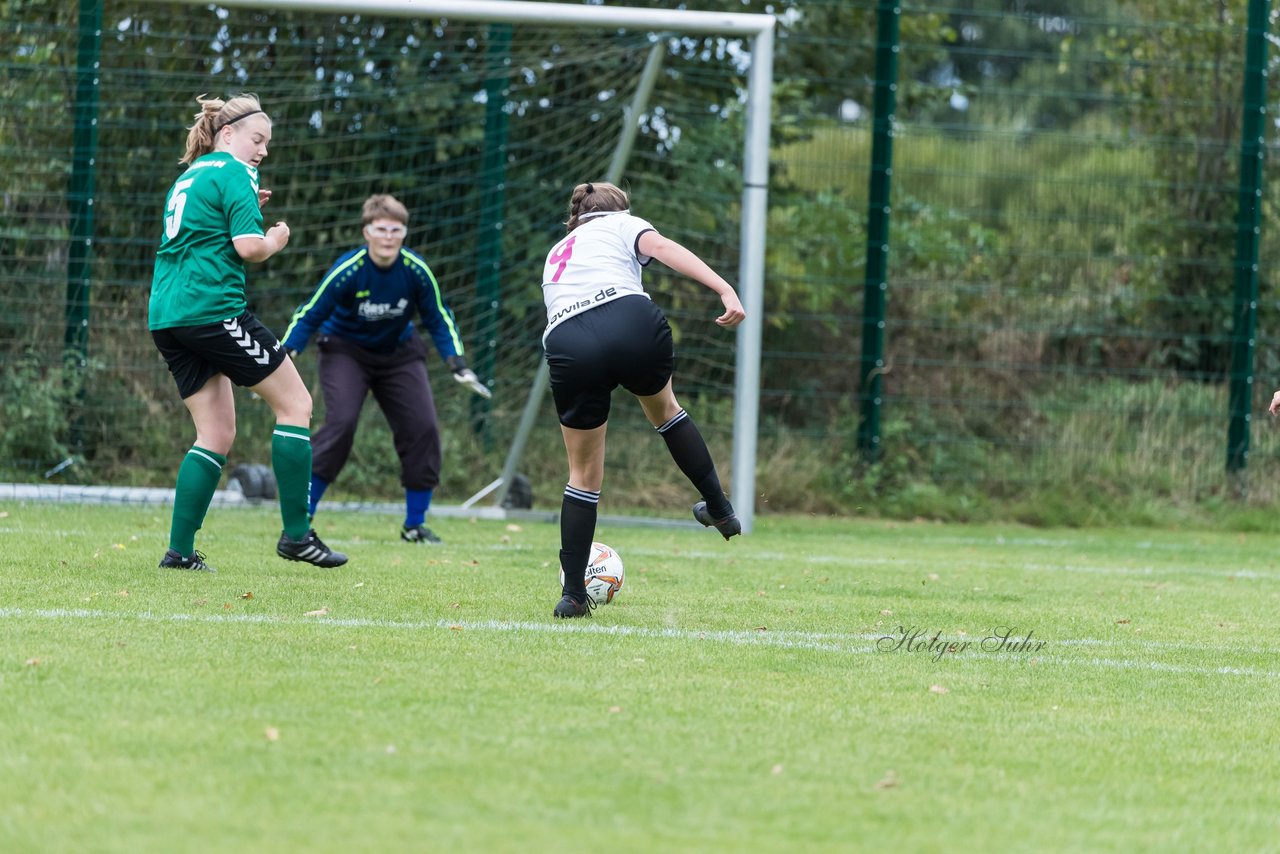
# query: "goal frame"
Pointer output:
{"type": "Point", "coordinates": [759, 28]}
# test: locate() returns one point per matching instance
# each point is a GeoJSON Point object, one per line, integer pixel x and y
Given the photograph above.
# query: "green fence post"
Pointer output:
{"type": "Point", "coordinates": [1248, 235]}
{"type": "Point", "coordinates": [80, 203]}
{"type": "Point", "coordinates": [875, 285]}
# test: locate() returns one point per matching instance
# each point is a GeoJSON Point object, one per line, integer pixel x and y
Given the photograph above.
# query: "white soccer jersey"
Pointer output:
{"type": "Point", "coordinates": [596, 263]}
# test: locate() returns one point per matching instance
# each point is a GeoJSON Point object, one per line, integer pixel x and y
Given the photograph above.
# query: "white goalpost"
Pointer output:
{"type": "Point", "coordinates": [758, 30]}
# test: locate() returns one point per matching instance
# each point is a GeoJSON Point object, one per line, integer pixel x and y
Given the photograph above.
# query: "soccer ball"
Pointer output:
{"type": "Point", "coordinates": [604, 574]}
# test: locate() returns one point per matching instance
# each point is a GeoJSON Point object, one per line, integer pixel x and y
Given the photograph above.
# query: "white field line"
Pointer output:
{"type": "Point", "coordinates": [951, 564]}
{"type": "Point", "coordinates": [766, 637]}
{"type": "Point", "coordinates": [844, 644]}
{"type": "Point", "coordinates": [790, 560]}
{"type": "Point", "coordinates": [1019, 541]}
{"type": "Point", "coordinates": [898, 537]}
{"type": "Point", "coordinates": [833, 641]}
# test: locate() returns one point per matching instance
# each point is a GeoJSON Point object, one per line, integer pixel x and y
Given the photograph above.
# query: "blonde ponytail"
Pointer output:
{"type": "Point", "coordinates": [214, 115]}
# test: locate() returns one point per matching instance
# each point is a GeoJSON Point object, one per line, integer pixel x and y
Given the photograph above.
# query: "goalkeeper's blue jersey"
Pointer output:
{"type": "Point", "coordinates": [374, 308]}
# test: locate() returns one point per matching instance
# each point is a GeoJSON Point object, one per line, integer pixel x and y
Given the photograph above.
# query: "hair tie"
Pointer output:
{"type": "Point", "coordinates": [238, 118]}
{"type": "Point", "coordinates": [590, 189]}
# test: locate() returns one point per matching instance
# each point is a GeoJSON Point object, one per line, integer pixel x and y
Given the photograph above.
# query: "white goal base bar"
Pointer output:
{"type": "Point", "coordinates": [160, 496]}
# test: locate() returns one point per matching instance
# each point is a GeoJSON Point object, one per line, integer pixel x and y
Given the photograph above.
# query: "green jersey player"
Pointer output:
{"type": "Point", "coordinates": [199, 320]}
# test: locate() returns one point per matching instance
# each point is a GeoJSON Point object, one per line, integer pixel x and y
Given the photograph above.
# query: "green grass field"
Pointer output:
{"type": "Point", "coordinates": [736, 697]}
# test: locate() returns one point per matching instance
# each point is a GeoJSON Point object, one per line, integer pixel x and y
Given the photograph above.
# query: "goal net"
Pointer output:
{"type": "Point", "coordinates": [478, 120]}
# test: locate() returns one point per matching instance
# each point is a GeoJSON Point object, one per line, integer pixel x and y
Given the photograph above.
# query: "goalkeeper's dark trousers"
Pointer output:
{"type": "Point", "coordinates": [398, 381]}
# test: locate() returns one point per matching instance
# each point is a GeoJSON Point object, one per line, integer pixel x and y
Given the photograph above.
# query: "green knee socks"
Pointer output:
{"type": "Point", "coordinates": [198, 477]}
{"type": "Point", "coordinates": [291, 462]}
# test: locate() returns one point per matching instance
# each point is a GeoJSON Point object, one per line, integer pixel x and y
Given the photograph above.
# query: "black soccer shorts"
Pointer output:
{"type": "Point", "coordinates": [625, 342]}
{"type": "Point", "coordinates": [242, 348]}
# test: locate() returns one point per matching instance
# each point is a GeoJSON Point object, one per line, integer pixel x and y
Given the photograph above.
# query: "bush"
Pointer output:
{"type": "Point", "coordinates": [40, 402]}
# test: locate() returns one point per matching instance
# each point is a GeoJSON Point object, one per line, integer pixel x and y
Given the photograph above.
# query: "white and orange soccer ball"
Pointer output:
{"type": "Point", "coordinates": [604, 574]}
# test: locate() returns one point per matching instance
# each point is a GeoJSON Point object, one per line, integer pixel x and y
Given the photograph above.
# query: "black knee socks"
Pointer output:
{"type": "Point", "coordinates": [577, 530]}
{"type": "Point", "coordinates": [690, 453]}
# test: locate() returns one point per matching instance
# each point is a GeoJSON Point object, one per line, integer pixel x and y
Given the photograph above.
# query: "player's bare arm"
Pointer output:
{"type": "Point", "coordinates": [682, 260]}
{"type": "Point", "coordinates": [258, 249]}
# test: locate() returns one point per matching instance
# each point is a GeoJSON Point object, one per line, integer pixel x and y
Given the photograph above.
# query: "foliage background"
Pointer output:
{"type": "Point", "coordinates": [1061, 247]}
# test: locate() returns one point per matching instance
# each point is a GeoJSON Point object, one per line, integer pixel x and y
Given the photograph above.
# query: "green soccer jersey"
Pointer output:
{"type": "Point", "coordinates": [199, 277]}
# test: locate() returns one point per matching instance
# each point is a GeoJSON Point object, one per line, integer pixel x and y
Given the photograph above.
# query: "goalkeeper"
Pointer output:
{"type": "Point", "coordinates": [363, 313]}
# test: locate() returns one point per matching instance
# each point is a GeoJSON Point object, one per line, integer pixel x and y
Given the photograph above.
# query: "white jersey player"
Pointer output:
{"type": "Point", "coordinates": [606, 265]}
{"type": "Point", "coordinates": [603, 331]}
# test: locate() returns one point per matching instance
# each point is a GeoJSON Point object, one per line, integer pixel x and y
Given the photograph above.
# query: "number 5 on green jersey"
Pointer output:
{"type": "Point", "coordinates": [173, 211]}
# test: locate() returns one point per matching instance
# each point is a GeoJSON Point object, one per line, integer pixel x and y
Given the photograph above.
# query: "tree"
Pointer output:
{"type": "Point", "coordinates": [1180, 83]}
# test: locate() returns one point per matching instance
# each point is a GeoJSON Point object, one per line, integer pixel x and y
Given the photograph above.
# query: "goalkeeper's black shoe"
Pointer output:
{"type": "Point", "coordinates": [728, 527]}
{"type": "Point", "coordinates": [310, 549]}
{"type": "Point", "coordinates": [419, 534]}
{"type": "Point", "coordinates": [572, 606]}
{"type": "Point", "coordinates": [174, 560]}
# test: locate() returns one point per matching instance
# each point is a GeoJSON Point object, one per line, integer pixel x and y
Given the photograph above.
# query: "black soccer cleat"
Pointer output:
{"type": "Point", "coordinates": [173, 559]}
{"type": "Point", "coordinates": [571, 606]}
{"type": "Point", "coordinates": [728, 527]}
{"type": "Point", "coordinates": [419, 534]}
{"type": "Point", "coordinates": [310, 549]}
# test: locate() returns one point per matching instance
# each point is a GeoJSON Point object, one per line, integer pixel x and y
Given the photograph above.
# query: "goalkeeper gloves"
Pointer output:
{"type": "Point", "coordinates": [466, 376]}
